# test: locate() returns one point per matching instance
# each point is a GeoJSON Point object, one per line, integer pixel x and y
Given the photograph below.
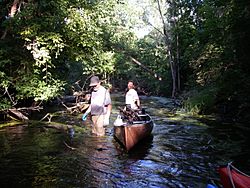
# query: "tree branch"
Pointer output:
{"type": "Point", "coordinates": [144, 67]}
{"type": "Point", "coordinates": [11, 14]}
{"type": "Point", "coordinates": [6, 91]}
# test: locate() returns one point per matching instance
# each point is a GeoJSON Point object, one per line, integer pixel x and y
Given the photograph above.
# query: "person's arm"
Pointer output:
{"type": "Point", "coordinates": [137, 102]}
{"type": "Point", "coordinates": [109, 108]}
{"type": "Point", "coordinates": [107, 102]}
{"type": "Point", "coordinates": [137, 99]}
{"type": "Point", "coordinates": [84, 116]}
{"type": "Point", "coordinates": [88, 110]}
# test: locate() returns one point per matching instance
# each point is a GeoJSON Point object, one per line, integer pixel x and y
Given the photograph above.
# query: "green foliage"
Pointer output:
{"type": "Point", "coordinates": [201, 101]}
{"type": "Point", "coordinates": [38, 89]}
{"type": "Point", "coordinates": [208, 67]}
{"type": "Point", "coordinates": [4, 82]}
{"type": "Point", "coordinates": [51, 44]}
{"type": "Point", "coordinates": [46, 38]}
{"type": "Point", "coordinates": [4, 104]}
{"type": "Point", "coordinates": [213, 56]}
{"type": "Point", "coordinates": [131, 19]}
{"type": "Point", "coordinates": [153, 55]}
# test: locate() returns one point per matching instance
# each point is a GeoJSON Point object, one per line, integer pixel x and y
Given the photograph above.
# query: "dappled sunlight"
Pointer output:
{"type": "Point", "coordinates": [181, 152]}
{"type": "Point", "coordinates": [11, 123]}
{"type": "Point", "coordinates": [166, 110]}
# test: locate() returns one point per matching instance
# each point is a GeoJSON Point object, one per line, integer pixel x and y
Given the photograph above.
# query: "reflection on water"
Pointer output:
{"type": "Point", "coordinates": [71, 132]}
{"type": "Point", "coordinates": [182, 152]}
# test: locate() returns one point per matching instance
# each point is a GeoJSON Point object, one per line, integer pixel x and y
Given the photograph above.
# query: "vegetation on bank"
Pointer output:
{"type": "Point", "coordinates": [193, 50]}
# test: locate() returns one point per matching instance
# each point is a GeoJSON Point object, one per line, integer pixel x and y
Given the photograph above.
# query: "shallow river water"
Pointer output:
{"type": "Point", "coordinates": [182, 152]}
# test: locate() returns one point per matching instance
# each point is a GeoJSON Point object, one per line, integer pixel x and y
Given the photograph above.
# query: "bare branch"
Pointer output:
{"type": "Point", "coordinates": [69, 146]}
{"type": "Point", "coordinates": [48, 115]}
{"type": "Point", "coordinates": [13, 102]}
{"type": "Point", "coordinates": [86, 81]}
{"type": "Point", "coordinates": [147, 69]}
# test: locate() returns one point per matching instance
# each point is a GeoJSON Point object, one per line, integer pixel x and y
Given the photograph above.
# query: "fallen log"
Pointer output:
{"type": "Point", "coordinates": [16, 114]}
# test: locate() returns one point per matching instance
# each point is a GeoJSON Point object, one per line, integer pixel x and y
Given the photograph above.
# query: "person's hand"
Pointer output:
{"type": "Point", "coordinates": [84, 116]}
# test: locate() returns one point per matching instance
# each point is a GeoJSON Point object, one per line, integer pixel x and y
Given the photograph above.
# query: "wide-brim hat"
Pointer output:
{"type": "Point", "coordinates": [94, 81]}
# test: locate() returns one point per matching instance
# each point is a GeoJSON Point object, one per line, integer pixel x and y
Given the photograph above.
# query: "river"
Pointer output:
{"type": "Point", "coordinates": [183, 151]}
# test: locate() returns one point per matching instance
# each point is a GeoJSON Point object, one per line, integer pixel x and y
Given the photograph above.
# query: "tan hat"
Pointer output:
{"type": "Point", "coordinates": [94, 81]}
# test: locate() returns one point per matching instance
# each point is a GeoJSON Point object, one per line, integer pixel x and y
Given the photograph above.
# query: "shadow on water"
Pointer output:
{"type": "Point", "coordinates": [182, 152]}
{"type": "Point", "coordinates": [140, 150]}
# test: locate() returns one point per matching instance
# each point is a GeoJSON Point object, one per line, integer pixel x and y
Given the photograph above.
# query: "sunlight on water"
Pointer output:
{"type": "Point", "coordinates": [182, 152]}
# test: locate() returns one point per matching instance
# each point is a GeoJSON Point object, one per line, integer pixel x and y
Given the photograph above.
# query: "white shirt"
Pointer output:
{"type": "Point", "coordinates": [131, 97]}
{"type": "Point", "coordinates": [100, 98]}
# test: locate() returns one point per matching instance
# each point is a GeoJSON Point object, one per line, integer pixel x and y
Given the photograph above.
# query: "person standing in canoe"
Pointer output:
{"type": "Point", "coordinates": [100, 106]}
{"type": "Point", "coordinates": [131, 98]}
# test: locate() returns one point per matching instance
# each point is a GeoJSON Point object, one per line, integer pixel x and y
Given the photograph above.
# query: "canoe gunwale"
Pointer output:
{"type": "Point", "coordinates": [141, 123]}
{"type": "Point", "coordinates": [230, 176]}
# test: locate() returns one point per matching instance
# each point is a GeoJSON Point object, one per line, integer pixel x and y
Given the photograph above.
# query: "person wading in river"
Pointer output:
{"type": "Point", "coordinates": [100, 106]}
{"type": "Point", "coordinates": [131, 98]}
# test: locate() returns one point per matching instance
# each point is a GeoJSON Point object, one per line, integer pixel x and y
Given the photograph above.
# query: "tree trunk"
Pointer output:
{"type": "Point", "coordinates": [173, 65]}
{"type": "Point", "coordinates": [178, 64]}
{"type": "Point", "coordinates": [11, 14]}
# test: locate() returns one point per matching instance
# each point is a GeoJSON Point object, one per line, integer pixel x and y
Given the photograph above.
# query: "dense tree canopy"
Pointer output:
{"type": "Point", "coordinates": [196, 50]}
{"type": "Point", "coordinates": [42, 41]}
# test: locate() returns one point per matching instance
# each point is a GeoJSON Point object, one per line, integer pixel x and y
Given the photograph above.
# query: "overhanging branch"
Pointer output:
{"type": "Point", "coordinates": [140, 64]}
{"type": "Point", "coordinates": [145, 68]}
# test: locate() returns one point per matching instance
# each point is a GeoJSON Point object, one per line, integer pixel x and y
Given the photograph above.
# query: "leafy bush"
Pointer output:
{"type": "Point", "coordinates": [202, 101]}
{"type": "Point", "coordinates": [4, 104]}
{"type": "Point", "coordinates": [38, 89]}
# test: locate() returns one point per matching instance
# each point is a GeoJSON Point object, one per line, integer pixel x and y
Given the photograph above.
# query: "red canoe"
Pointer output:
{"type": "Point", "coordinates": [130, 134]}
{"type": "Point", "coordinates": [231, 177]}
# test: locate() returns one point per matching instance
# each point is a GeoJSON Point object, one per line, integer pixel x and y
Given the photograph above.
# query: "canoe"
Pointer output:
{"type": "Point", "coordinates": [231, 177]}
{"type": "Point", "coordinates": [129, 134]}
